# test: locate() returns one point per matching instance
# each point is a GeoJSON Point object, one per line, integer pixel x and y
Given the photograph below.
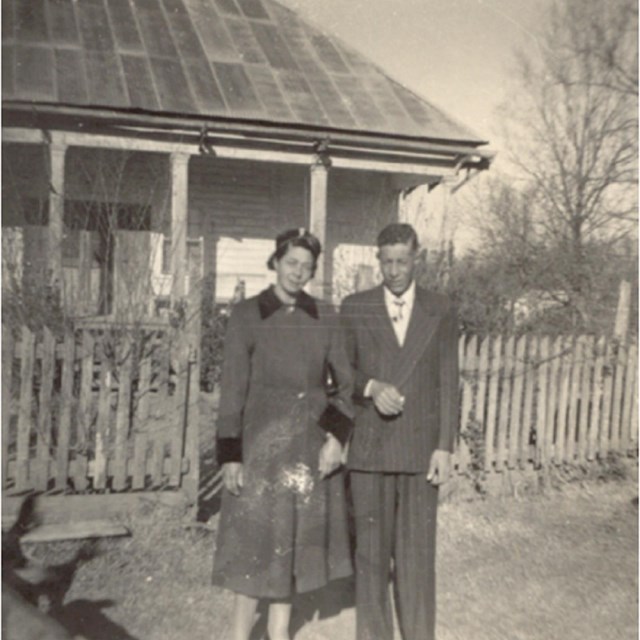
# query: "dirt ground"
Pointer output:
{"type": "Point", "coordinates": [559, 565]}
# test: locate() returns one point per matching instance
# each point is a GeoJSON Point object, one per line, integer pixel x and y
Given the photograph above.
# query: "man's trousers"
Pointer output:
{"type": "Point", "coordinates": [395, 518]}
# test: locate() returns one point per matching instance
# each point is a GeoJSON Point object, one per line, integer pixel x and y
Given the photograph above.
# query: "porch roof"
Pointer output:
{"type": "Point", "coordinates": [249, 61]}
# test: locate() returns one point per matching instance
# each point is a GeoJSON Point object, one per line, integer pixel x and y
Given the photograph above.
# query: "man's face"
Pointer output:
{"type": "Point", "coordinates": [398, 265]}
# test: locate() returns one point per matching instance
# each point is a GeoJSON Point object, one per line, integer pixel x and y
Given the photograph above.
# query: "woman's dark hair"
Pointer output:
{"type": "Point", "coordinates": [295, 238]}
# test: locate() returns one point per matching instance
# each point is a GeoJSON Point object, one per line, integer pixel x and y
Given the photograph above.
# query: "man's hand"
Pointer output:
{"type": "Point", "coordinates": [439, 467]}
{"type": "Point", "coordinates": [330, 457]}
{"type": "Point", "coordinates": [387, 399]}
{"type": "Point", "coordinates": [232, 476]}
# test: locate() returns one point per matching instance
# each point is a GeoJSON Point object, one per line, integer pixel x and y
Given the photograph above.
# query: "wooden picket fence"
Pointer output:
{"type": "Point", "coordinates": [540, 400]}
{"type": "Point", "coordinates": [102, 408]}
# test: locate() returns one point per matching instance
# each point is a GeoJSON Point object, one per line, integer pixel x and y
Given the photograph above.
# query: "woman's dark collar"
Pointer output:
{"type": "Point", "coordinates": [269, 303]}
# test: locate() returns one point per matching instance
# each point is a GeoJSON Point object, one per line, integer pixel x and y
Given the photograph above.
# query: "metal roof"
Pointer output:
{"type": "Point", "coordinates": [249, 60]}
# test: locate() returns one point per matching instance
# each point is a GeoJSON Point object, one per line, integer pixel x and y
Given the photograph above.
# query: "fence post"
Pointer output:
{"type": "Point", "coordinates": [494, 372]}
{"type": "Point", "coordinates": [516, 429]}
{"type": "Point", "coordinates": [7, 368]}
{"type": "Point", "coordinates": [542, 455]}
{"type": "Point", "coordinates": [564, 384]}
{"type": "Point", "coordinates": [24, 415]}
{"type": "Point", "coordinates": [48, 363]}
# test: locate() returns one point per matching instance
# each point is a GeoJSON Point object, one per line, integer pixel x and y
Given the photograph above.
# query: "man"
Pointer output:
{"type": "Point", "coordinates": [402, 341]}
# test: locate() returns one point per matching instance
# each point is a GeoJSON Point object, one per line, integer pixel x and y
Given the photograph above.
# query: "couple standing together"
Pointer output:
{"type": "Point", "coordinates": [392, 354]}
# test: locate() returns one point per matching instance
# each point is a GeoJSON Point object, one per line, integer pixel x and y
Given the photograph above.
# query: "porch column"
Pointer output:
{"type": "Point", "coordinates": [318, 221]}
{"type": "Point", "coordinates": [179, 200]}
{"type": "Point", "coordinates": [57, 153]}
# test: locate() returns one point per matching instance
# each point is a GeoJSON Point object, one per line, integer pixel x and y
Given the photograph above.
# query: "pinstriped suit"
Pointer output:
{"type": "Point", "coordinates": [395, 507]}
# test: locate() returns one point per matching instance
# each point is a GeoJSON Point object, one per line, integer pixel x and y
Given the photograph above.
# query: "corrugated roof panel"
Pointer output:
{"type": "Point", "coordinates": [213, 35]}
{"type": "Point", "coordinates": [31, 22]}
{"type": "Point", "coordinates": [228, 6]}
{"type": "Point", "coordinates": [245, 41]}
{"type": "Point", "coordinates": [34, 73]}
{"type": "Point", "coordinates": [125, 27]}
{"type": "Point", "coordinates": [304, 54]}
{"type": "Point", "coordinates": [384, 96]}
{"type": "Point", "coordinates": [359, 101]}
{"type": "Point", "coordinates": [236, 87]}
{"type": "Point", "coordinates": [204, 85]}
{"type": "Point", "coordinates": [62, 22]}
{"type": "Point", "coordinates": [171, 83]}
{"type": "Point", "coordinates": [142, 93]}
{"type": "Point", "coordinates": [71, 76]}
{"type": "Point", "coordinates": [184, 34]}
{"type": "Point", "coordinates": [106, 85]}
{"type": "Point", "coordinates": [267, 88]}
{"type": "Point", "coordinates": [300, 97]}
{"type": "Point", "coordinates": [155, 34]}
{"type": "Point", "coordinates": [8, 20]}
{"type": "Point", "coordinates": [329, 54]}
{"type": "Point", "coordinates": [253, 9]}
{"type": "Point", "coordinates": [8, 73]}
{"type": "Point", "coordinates": [94, 26]}
{"type": "Point", "coordinates": [326, 92]}
{"type": "Point", "coordinates": [274, 46]}
{"type": "Point", "coordinates": [357, 62]}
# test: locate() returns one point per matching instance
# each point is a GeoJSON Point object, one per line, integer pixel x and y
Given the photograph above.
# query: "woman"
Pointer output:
{"type": "Point", "coordinates": [283, 522]}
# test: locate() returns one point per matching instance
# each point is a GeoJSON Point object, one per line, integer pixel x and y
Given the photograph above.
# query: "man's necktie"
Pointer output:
{"type": "Point", "coordinates": [399, 304]}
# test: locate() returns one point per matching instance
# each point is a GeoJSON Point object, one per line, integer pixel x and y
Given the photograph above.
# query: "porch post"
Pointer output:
{"type": "Point", "coordinates": [179, 200]}
{"type": "Point", "coordinates": [55, 234]}
{"type": "Point", "coordinates": [318, 221]}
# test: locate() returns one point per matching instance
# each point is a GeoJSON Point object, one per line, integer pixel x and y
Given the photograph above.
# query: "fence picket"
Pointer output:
{"type": "Point", "coordinates": [24, 415]}
{"type": "Point", "coordinates": [481, 395]}
{"type": "Point", "coordinates": [630, 383]}
{"type": "Point", "coordinates": [125, 362]}
{"type": "Point", "coordinates": [574, 398]}
{"type": "Point", "coordinates": [527, 407]}
{"type": "Point", "coordinates": [564, 385]}
{"type": "Point", "coordinates": [162, 422]}
{"type": "Point", "coordinates": [64, 416]}
{"type": "Point", "coordinates": [179, 408]}
{"type": "Point", "coordinates": [596, 398]}
{"type": "Point", "coordinates": [85, 412]}
{"type": "Point", "coordinates": [492, 409]}
{"type": "Point", "coordinates": [103, 418]}
{"type": "Point", "coordinates": [618, 386]}
{"type": "Point", "coordinates": [607, 397]}
{"type": "Point", "coordinates": [43, 451]}
{"type": "Point", "coordinates": [633, 431]}
{"type": "Point", "coordinates": [141, 423]}
{"type": "Point", "coordinates": [7, 368]}
{"type": "Point", "coordinates": [516, 403]}
{"type": "Point", "coordinates": [552, 399]}
{"type": "Point", "coordinates": [543, 401]}
{"type": "Point", "coordinates": [469, 368]}
{"type": "Point", "coordinates": [505, 398]}
{"type": "Point", "coordinates": [585, 393]}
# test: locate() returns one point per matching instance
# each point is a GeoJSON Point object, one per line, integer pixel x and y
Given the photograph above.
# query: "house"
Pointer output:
{"type": "Point", "coordinates": [149, 143]}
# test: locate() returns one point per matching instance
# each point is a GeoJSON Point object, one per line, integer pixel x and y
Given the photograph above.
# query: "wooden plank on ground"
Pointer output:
{"type": "Point", "coordinates": [574, 398]}
{"type": "Point", "coordinates": [585, 397]}
{"type": "Point", "coordinates": [542, 456]}
{"type": "Point", "coordinates": [7, 368]}
{"type": "Point", "coordinates": [527, 405]}
{"type": "Point", "coordinates": [45, 399]}
{"type": "Point", "coordinates": [630, 383]}
{"type": "Point", "coordinates": [552, 399]}
{"type": "Point", "coordinates": [76, 531]}
{"type": "Point", "coordinates": [516, 429]}
{"type": "Point", "coordinates": [24, 412]}
{"type": "Point", "coordinates": [492, 408]}
{"type": "Point", "coordinates": [85, 410]}
{"type": "Point", "coordinates": [64, 419]}
{"type": "Point", "coordinates": [596, 399]}
{"type": "Point", "coordinates": [469, 365]}
{"type": "Point", "coordinates": [564, 385]}
{"type": "Point", "coordinates": [123, 412]}
{"type": "Point", "coordinates": [141, 423]}
{"type": "Point", "coordinates": [104, 416]}
{"type": "Point", "coordinates": [504, 420]}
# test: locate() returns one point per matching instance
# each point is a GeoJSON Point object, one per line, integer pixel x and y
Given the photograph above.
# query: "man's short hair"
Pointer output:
{"type": "Point", "coordinates": [398, 233]}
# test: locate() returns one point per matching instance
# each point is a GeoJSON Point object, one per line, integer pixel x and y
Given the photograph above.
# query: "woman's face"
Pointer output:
{"type": "Point", "coordinates": [294, 269]}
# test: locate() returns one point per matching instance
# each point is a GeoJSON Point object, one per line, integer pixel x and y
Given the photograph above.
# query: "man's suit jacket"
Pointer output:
{"type": "Point", "coordinates": [424, 369]}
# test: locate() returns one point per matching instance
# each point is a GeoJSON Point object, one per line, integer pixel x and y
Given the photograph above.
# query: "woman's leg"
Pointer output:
{"type": "Point", "coordinates": [279, 617]}
{"type": "Point", "coordinates": [244, 613]}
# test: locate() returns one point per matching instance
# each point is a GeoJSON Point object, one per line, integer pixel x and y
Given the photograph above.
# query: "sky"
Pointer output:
{"type": "Point", "coordinates": [456, 54]}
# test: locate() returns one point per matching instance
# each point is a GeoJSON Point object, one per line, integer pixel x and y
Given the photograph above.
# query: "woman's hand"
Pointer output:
{"type": "Point", "coordinates": [232, 476]}
{"type": "Point", "coordinates": [330, 456]}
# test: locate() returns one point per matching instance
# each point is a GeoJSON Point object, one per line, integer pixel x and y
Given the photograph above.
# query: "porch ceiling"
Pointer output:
{"type": "Point", "coordinates": [215, 61]}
